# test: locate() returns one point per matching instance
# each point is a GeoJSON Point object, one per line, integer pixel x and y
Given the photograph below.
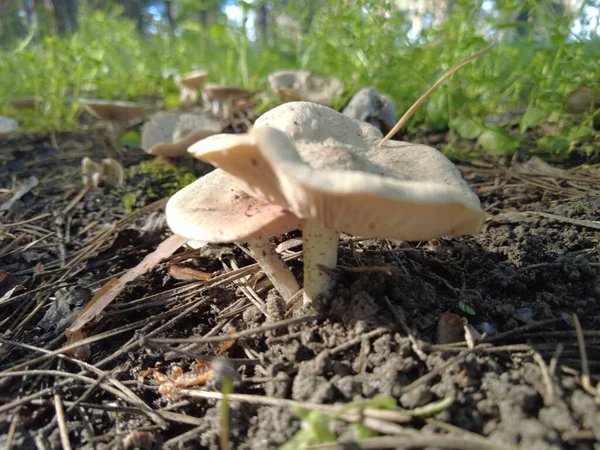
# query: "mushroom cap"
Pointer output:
{"type": "Point", "coordinates": [117, 111]}
{"type": "Point", "coordinates": [303, 85]}
{"type": "Point", "coordinates": [8, 125]}
{"type": "Point", "coordinates": [310, 122]}
{"type": "Point", "coordinates": [222, 92]}
{"type": "Point", "coordinates": [89, 168]}
{"type": "Point", "coordinates": [583, 99]}
{"type": "Point", "coordinates": [288, 79]}
{"type": "Point", "coordinates": [192, 80]}
{"type": "Point", "coordinates": [342, 179]}
{"type": "Point", "coordinates": [168, 134]}
{"type": "Point", "coordinates": [112, 172]}
{"type": "Point", "coordinates": [26, 102]}
{"type": "Point", "coordinates": [215, 209]}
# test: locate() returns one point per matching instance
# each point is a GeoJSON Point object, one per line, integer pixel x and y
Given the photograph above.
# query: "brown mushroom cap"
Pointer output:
{"type": "Point", "coordinates": [117, 111]}
{"type": "Point", "coordinates": [325, 167]}
{"type": "Point", "coordinates": [192, 80]}
{"type": "Point", "coordinates": [168, 134]}
{"type": "Point", "coordinates": [27, 102]}
{"type": "Point", "coordinates": [222, 92]}
{"type": "Point", "coordinates": [215, 209]}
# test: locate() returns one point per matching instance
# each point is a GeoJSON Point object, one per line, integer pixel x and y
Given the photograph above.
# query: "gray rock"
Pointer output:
{"type": "Point", "coordinates": [372, 107]}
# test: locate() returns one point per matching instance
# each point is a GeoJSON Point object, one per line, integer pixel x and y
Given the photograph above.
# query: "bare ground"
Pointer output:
{"type": "Point", "coordinates": [528, 286]}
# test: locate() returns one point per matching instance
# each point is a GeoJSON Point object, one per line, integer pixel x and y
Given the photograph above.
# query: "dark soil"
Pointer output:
{"type": "Point", "coordinates": [521, 284]}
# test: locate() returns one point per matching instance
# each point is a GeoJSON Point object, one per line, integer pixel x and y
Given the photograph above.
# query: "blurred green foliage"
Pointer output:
{"type": "Point", "coordinates": [532, 69]}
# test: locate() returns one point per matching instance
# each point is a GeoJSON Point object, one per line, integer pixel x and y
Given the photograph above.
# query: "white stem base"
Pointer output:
{"type": "Point", "coordinates": [274, 268]}
{"type": "Point", "coordinates": [320, 246]}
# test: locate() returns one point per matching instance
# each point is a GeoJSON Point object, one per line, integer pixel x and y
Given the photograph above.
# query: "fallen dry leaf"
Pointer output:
{"type": "Point", "coordinates": [188, 274]}
{"type": "Point", "coordinates": [99, 302]}
{"type": "Point", "coordinates": [82, 353]}
{"type": "Point", "coordinates": [24, 189]}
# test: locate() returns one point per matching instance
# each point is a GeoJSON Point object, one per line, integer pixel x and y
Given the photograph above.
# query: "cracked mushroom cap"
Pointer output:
{"type": "Point", "coordinates": [112, 110]}
{"type": "Point", "coordinates": [342, 179]}
{"type": "Point", "coordinates": [167, 134]}
{"type": "Point", "coordinates": [215, 209]}
{"type": "Point", "coordinates": [222, 92]}
{"type": "Point", "coordinates": [192, 80]}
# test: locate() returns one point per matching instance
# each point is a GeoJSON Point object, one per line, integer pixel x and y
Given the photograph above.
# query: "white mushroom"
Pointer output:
{"type": "Point", "coordinates": [222, 99]}
{"type": "Point", "coordinates": [169, 134]}
{"type": "Point", "coordinates": [215, 209]}
{"type": "Point", "coordinates": [189, 84]}
{"type": "Point", "coordinates": [116, 113]}
{"type": "Point", "coordinates": [328, 171]}
{"type": "Point", "coordinates": [108, 173]}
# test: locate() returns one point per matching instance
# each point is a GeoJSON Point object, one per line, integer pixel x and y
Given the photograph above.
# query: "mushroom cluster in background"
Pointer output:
{"type": "Point", "coordinates": [223, 99]}
{"type": "Point", "coordinates": [325, 174]}
{"type": "Point", "coordinates": [295, 85]}
{"type": "Point", "coordinates": [117, 114]}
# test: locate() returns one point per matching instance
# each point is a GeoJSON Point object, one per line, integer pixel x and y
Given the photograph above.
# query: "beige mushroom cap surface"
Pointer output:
{"type": "Point", "coordinates": [169, 134]}
{"type": "Point", "coordinates": [325, 167]}
{"type": "Point", "coordinates": [117, 111]}
{"type": "Point", "coordinates": [215, 209]}
{"type": "Point", "coordinates": [192, 80]}
{"type": "Point", "coordinates": [310, 122]}
{"type": "Point", "coordinates": [8, 125]}
{"type": "Point", "coordinates": [223, 92]}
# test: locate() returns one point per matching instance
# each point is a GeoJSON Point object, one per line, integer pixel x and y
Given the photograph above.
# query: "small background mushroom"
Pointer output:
{"type": "Point", "coordinates": [108, 173]}
{"type": "Point", "coordinates": [222, 99]}
{"type": "Point", "coordinates": [190, 84]}
{"type": "Point", "coordinates": [297, 85]}
{"type": "Point", "coordinates": [170, 134]}
{"type": "Point", "coordinates": [116, 113]}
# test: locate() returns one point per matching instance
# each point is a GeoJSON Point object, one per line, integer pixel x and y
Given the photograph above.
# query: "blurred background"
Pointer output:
{"type": "Point", "coordinates": [547, 55]}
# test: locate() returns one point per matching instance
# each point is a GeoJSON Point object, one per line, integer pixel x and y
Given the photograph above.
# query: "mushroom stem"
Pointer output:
{"type": "Point", "coordinates": [320, 246]}
{"type": "Point", "coordinates": [274, 268]}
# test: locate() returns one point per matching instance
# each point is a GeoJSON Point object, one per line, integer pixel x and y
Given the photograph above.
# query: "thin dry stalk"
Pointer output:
{"type": "Point", "coordinates": [357, 340]}
{"type": "Point", "coordinates": [233, 336]}
{"type": "Point", "coordinates": [427, 93]}
{"type": "Point", "coordinates": [415, 441]}
{"type": "Point", "coordinates": [15, 419]}
{"type": "Point", "coordinates": [400, 320]}
{"type": "Point", "coordinates": [63, 428]}
{"type": "Point", "coordinates": [548, 395]}
{"type": "Point", "coordinates": [437, 371]}
{"type": "Point", "coordinates": [585, 368]}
